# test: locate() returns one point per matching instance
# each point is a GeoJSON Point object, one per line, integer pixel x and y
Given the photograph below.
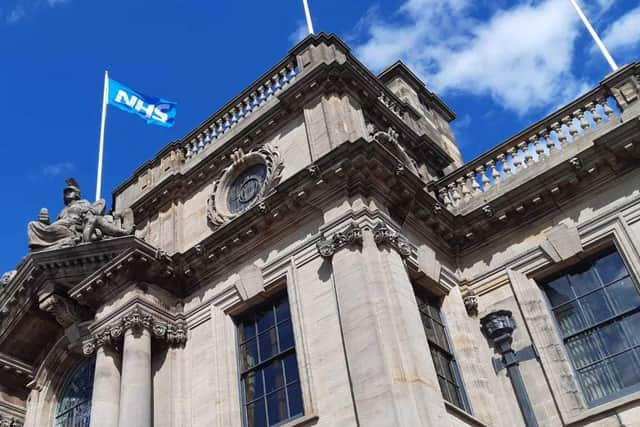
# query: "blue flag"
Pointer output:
{"type": "Point", "coordinates": [154, 110]}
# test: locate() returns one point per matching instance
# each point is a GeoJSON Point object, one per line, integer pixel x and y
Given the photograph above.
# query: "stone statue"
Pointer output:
{"type": "Point", "coordinates": [79, 222]}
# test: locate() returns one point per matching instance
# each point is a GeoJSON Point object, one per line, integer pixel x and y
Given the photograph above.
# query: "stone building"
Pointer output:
{"type": "Point", "coordinates": [317, 253]}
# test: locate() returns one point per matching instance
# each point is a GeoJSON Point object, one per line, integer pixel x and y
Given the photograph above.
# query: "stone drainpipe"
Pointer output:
{"type": "Point", "coordinates": [498, 327]}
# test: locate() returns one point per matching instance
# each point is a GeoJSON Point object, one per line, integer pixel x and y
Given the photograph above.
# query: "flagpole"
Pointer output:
{"type": "Point", "coordinates": [307, 15]}
{"type": "Point", "coordinates": [595, 36]}
{"type": "Point", "coordinates": [105, 97]}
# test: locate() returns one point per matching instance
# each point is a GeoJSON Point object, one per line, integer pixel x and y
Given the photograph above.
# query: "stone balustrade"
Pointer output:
{"type": "Point", "coordinates": [540, 141]}
{"type": "Point", "coordinates": [241, 107]}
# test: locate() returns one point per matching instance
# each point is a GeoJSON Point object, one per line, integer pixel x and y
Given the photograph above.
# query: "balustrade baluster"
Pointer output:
{"type": "Point", "coordinates": [240, 114]}
{"type": "Point", "coordinates": [227, 121]}
{"type": "Point", "coordinates": [292, 71]}
{"type": "Point", "coordinates": [466, 191]}
{"type": "Point", "coordinates": [528, 154]}
{"type": "Point", "coordinates": [546, 135]}
{"type": "Point", "coordinates": [276, 83]}
{"type": "Point", "coordinates": [584, 123]}
{"type": "Point", "coordinates": [506, 166]}
{"type": "Point", "coordinates": [568, 121]}
{"type": "Point", "coordinates": [562, 138]}
{"type": "Point", "coordinates": [593, 109]}
{"type": "Point", "coordinates": [444, 197]}
{"type": "Point", "coordinates": [455, 194]}
{"type": "Point", "coordinates": [484, 179]}
{"type": "Point", "coordinates": [283, 77]}
{"type": "Point", "coordinates": [219, 127]}
{"type": "Point", "coordinates": [517, 160]}
{"type": "Point", "coordinates": [200, 142]}
{"type": "Point", "coordinates": [537, 146]}
{"type": "Point", "coordinates": [608, 111]}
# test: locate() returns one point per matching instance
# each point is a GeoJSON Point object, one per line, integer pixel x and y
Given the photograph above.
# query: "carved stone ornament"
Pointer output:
{"type": "Point", "coordinates": [351, 235]}
{"type": "Point", "coordinates": [6, 278]}
{"type": "Point", "coordinates": [383, 234]}
{"type": "Point", "coordinates": [389, 138]}
{"type": "Point", "coordinates": [63, 309]}
{"type": "Point", "coordinates": [9, 422]}
{"type": "Point", "coordinates": [80, 221]}
{"type": "Point", "coordinates": [244, 183]}
{"type": "Point", "coordinates": [470, 300]}
{"type": "Point", "coordinates": [174, 333]}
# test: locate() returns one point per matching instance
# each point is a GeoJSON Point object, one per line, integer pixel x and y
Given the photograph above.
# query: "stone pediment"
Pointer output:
{"type": "Point", "coordinates": [36, 302]}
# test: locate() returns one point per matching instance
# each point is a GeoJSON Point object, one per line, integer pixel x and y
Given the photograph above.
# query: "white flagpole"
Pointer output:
{"type": "Point", "coordinates": [307, 15]}
{"type": "Point", "coordinates": [105, 96]}
{"type": "Point", "coordinates": [593, 33]}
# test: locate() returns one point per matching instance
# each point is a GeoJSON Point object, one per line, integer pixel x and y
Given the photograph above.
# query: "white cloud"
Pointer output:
{"type": "Point", "coordinates": [15, 15]}
{"type": "Point", "coordinates": [23, 7]}
{"type": "Point", "coordinates": [624, 33]}
{"type": "Point", "coordinates": [300, 33]}
{"type": "Point", "coordinates": [521, 56]}
{"type": "Point", "coordinates": [57, 169]}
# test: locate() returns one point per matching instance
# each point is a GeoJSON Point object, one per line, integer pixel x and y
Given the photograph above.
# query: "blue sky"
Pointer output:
{"type": "Point", "coordinates": [499, 64]}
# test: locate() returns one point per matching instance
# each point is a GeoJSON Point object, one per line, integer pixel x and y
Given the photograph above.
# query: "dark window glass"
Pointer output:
{"type": "Point", "coordinates": [74, 404]}
{"type": "Point", "coordinates": [443, 360]}
{"type": "Point", "coordinates": [268, 367]}
{"type": "Point", "coordinates": [245, 188]}
{"type": "Point", "coordinates": [597, 307]}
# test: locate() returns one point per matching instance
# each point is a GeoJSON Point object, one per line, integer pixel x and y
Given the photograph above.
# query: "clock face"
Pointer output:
{"type": "Point", "coordinates": [245, 188]}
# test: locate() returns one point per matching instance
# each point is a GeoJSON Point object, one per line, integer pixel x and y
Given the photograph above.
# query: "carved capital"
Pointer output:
{"type": "Point", "coordinates": [350, 236]}
{"type": "Point", "coordinates": [137, 320]}
{"type": "Point", "coordinates": [382, 234]}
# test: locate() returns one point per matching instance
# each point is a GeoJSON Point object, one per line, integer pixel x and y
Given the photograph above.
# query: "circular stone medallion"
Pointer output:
{"type": "Point", "coordinates": [245, 188]}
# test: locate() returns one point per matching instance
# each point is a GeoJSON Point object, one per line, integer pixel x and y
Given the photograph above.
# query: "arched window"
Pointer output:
{"type": "Point", "coordinates": [74, 404]}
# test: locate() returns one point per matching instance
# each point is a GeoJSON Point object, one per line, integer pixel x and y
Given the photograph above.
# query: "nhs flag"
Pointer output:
{"type": "Point", "coordinates": [154, 110]}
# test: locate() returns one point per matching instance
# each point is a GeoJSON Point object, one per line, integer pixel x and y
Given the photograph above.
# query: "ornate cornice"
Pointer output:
{"type": "Point", "coordinates": [352, 235]}
{"type": "Point", "coordinates": [174, 333]}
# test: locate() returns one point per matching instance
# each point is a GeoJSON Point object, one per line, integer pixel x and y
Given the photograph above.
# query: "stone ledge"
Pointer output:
{"type": "Point", "coordinates": [465, 416]}
{"type": "Point", "coordinates": [604, 410]}
{"type": "Point", "coordinates": [304, 420]}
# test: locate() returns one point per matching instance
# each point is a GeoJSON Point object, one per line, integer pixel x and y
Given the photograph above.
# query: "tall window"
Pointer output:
{"type": "Point", "coordinates": [597, 308]}
{"type": "Point", "coordinates": [268, 368]}
{"type": "Point", "coordinates": [74, 404]}
{"type": "Point", "coordinates": [441, 353]}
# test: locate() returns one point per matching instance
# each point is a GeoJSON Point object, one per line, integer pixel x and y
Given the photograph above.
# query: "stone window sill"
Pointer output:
{"type": "Point", "coordinates": [304, 420]}
{"type": "Point", "coordinates": [451, 408]}
{"type": "Point", "coordinates": [608, 408]}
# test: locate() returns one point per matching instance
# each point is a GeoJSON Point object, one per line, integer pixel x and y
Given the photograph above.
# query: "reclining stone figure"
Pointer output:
{"type": "Point", "coordinates": [79, 222]}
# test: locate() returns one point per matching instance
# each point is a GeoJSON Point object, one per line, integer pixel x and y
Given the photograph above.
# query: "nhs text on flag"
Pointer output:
{"type": "Point", "coordinates": [154, 110]}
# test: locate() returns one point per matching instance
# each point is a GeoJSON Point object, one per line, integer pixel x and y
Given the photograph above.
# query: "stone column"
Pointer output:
{"type": "Point", "coordinates": [392, 374]}
{"type": "Point", "coordinates": [105, 402]}
{"type": "Point", "coordinates": [135, 390]}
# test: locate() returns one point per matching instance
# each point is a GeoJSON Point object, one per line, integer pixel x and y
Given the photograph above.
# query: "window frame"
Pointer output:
{"type": "Point", "coordinates": [596, 253]}
{"type": "Point", "coordinates": [238, 321]}
{"type": "Point", "coordinates": [89, 366]}
{"type": "Point", "coordinates": [427, 297]}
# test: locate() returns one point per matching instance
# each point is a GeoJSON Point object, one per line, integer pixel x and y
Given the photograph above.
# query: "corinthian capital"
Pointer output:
{"type": "Point", "coordinates": [382, 234]}
{"type": "Point", "coordinates": [137, 320]}
{"type": "Point", "coordinates": [350, 236]}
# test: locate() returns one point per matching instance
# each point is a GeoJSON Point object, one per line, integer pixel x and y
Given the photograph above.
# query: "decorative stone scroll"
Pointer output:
{"type": "Point", "coordinates": [244, 183]}
{"type": "Point", "coordinates": [66, 311]}
{"type": "Point", "coordinates": [174, 333]}
{"type": "Point", "coordinates": [389, 138]}
{"type": "Point", "coordinates": [350, 236]}
{"type": "Point", "coordinates": [382, 235]}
